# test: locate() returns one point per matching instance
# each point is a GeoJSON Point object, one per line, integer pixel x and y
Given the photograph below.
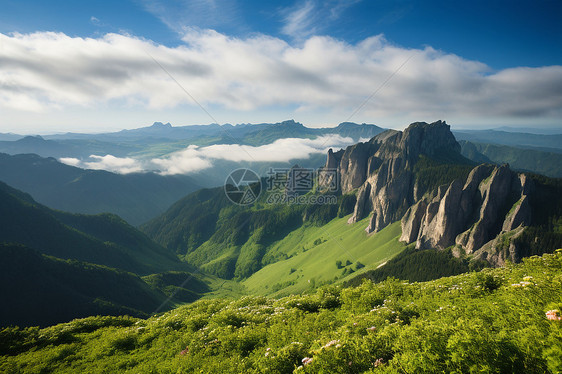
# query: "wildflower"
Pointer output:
{"type": "Point", "coordinates": [331, 343]}
{"type": "Point", "coordinates": [185, 351]}
{"type": "Point", "coordinates": [553, 315]}
{"type": "Point", "coordinates": [306, 360]}
{"type": "Point", "coordinates": [378, 362]}
{"type": "Point", "coordinates": [372, 328]}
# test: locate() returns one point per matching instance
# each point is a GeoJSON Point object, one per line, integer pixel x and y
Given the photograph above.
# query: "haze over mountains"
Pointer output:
{"type": "Point", "coordinates": [174, 138]}
{"type": "Point", "coordinates": [201, 156]}
{"type": "Point", "coordinates": [407, 204]}
{"type": "Point", "coordinates": [135, 197]}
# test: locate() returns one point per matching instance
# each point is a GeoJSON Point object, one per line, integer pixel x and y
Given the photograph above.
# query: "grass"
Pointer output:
{"type": "Point", "coordinates": [223, 288]}
{"type": "Point", "coordinates": [503, 320]}
{"type": "Point", "coordinates": [309, 265]}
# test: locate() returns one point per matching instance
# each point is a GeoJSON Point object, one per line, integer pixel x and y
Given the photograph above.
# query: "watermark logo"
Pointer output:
{"type": "Point", "coordinates": [297, 180]}
{"type": "Point", "coordinates": [293, 186]}
{"type": "Point", "coordinates": [242, 186]}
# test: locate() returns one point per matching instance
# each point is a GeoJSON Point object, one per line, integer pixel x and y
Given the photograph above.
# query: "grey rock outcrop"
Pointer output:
{"type": "Point", "coordinates": [353, 166]}
{"type": "Point", "coordinates": [440, 225]}
{"type": "Point", "coordinates": [470, 215]}
{"type": "Point", "coordinates": [520, 215]}
{"type": "Point", "coordinates": [412, 220]}
{"type": "Point", "coordinates": [383, 167]}
{"type": "Point", "coordinates": [363, 204]}
{"type": "Point", "coordinates": [328, 176]}
{"type": "Point", "coordinates": [501, 248]}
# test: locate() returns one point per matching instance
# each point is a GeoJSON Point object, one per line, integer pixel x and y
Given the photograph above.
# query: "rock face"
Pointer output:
{"type": "Point", "coordinates": [492, 201]}
{"type": "Point", "coordinates": [381, 170]}
{"type": "Point", "coordinates": [353, 166]}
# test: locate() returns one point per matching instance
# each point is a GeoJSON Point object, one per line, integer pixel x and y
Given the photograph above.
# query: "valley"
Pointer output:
{"type": "Point", "coordinates": [281, 187]}
{"type": "Point", "coordinates": [408, 208]}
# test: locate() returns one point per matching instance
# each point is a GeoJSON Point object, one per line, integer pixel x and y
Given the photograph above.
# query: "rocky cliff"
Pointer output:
{"type": "Point", "coordinates": [492, 201]}
{"type": "Point", "coordinates": [382, 170]}
{"type": "Point", "coordinates": [469, 212]}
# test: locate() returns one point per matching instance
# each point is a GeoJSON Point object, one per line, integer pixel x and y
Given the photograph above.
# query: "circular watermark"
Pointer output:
{"type": "Point", "coordinates": [242, 186]}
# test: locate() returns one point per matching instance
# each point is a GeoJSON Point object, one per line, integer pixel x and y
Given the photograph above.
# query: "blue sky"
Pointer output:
{"type": "Point", "coordinates": [490, 62]}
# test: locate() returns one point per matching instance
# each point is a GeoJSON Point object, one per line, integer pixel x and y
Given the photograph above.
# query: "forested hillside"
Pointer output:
{"type": "Point", "coordinates": [524, 159]}
{"type": "Point", "coordinates": [105, 239]}
{"type": "Point", "coordinates": [43, 290]}
{"type": "Point", "coordinates": [56, 266]}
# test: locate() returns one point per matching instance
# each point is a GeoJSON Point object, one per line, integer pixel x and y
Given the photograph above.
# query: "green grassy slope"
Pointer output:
{"type": "Point", "coordinates": [234, 242]}
{"type": "Point", "coordinates": [493, 321]}
{"type": "Point", "coordinates": [312, 254]}
{"type": "Point", "coordinates": [228, 240]}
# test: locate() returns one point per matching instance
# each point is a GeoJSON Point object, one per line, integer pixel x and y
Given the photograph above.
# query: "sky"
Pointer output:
{"type": "Point", "coordinates": [108, 65]}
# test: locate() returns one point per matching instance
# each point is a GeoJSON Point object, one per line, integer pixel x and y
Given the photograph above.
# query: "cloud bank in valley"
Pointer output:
{"type": "Point", "coordinates": [49, 71]}
{"type": "Point", "coordinates": [194, 158]}
{"type": "Point", "coordinates": [121, 165]}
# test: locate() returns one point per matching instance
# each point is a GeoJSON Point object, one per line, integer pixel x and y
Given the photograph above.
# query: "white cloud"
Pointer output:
{"type": "Point", "coordinates": [337, 7]}
{"type": "Point", "coordinates": [299, 21]}
{"type": "Point", "coordinates": [47, 71]}
{"type": "Point", "coordinates": [194, 13]}
{"type": "Point", "coordinates": [71, 161]}
{"type": "Point", "coordinates": [281, 150]}
{"type": "Point", "coordinates": [186, 161]}
{"type": "Point", "coordinates": [95, 21]}
{"type": "Point", "coordinates": [195, 158]}
{"type": "Point", "coordinates": [310, 17]}
{"type": "Point", "coordinates": [111, 163]}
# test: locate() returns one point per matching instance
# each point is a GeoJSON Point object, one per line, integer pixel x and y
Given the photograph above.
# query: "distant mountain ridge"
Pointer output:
{"type": "Point", "coordinates": [546, 142]}
{"type": "Point", "coordinates": [547, 163]}
{"type": "Point", "coordinates": [135, 197]}
{"type": "Point", "coordinates": [238, 132]}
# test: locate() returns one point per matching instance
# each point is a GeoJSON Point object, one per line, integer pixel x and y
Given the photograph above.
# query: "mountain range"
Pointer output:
{"type": "Point", "coordinates": [417, 176]}
{"type": "Point", "coordinates": [160, 139]}
{"type": "Point", "coordinates": [398, 198]}
{"type": "Point", "coordinates": [547, 163]}
{"type": "Point", "coordinates": [135, 197]}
